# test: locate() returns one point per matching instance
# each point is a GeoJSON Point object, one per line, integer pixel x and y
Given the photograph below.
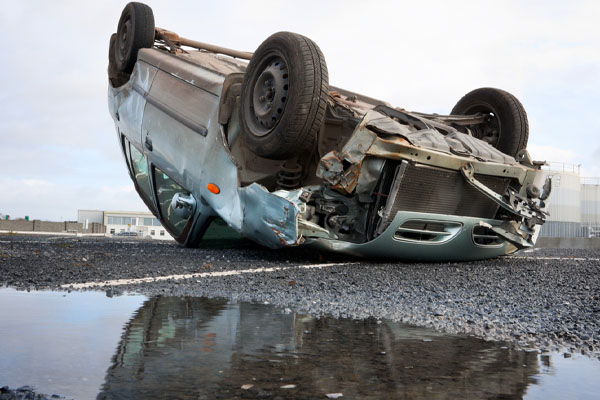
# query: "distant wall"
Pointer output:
{"type": "Point", "coordinates": [568, 243]}
{"type": "Point", "coordinates": [47, 226]}
{"type": "Point", "coordinates": [95, 227]}
{"type": "Point", "coordinates": [16, 225]}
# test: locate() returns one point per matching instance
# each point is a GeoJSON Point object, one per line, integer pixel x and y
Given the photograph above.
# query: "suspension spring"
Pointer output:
{"type": "Point", "coordinates": [290, 175]}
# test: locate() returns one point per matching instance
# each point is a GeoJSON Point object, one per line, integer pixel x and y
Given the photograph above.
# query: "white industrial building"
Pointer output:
{"type": "Point", "coordinates": [143, 224]}
{"type": "Point", "coordinates": [574, 204]}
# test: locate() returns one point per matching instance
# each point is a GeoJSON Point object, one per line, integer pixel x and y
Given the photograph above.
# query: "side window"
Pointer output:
{"type": "Point", "coordinates": [125, 146]}
{"type": "Point", "coordinates": [219, 230]}
{"type": "Point", "coordinates": [166, 188]}
{"type": "Point", "coordinates": [140, 173]}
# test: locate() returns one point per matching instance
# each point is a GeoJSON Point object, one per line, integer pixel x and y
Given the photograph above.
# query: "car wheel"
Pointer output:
{"type": "Point", "coordinates": [135, 31]}
{"type": "Point", "coordinates": [506, 127]}
{"type": "Point", "coordinates": [117, 78]}
{"type": "Point", "coordinates": [284, 95]}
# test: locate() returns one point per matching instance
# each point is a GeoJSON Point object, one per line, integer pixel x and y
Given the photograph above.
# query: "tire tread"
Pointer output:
{"type": "Point", "coordinates": [308, 115]}
{"type": "Point", "coordinates": [514, 119]}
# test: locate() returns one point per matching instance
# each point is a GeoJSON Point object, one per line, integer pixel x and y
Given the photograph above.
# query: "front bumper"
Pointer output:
{"type": "Point", "coordinates": [456, 243]}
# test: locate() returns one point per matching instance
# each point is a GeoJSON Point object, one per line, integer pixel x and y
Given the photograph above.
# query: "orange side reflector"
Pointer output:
{"type": "Point", "coordinates": [213, 188]}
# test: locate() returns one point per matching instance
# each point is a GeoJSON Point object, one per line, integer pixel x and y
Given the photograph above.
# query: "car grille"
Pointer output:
{"type": "Point", "coordinates": [417, 230]}
{"type": "Point", "coordinates": [484, 236]}
{"type": "Point", "coordinates": [426, 189]}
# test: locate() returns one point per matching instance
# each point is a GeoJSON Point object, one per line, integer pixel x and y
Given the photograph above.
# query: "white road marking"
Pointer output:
{"type": "Point", "coordinates": [25, 241]}
{"type": "Point", "coordinates": [555, 258]}
{"type": "Point", "coordinates": [120, 282]}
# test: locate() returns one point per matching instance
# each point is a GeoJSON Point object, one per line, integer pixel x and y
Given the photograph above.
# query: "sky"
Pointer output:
{"type": "Point", "coordinates": [58, 145]}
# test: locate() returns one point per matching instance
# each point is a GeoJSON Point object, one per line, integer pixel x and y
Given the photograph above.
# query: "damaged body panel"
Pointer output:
{"type": "Point", "coordinates": [198, 133]}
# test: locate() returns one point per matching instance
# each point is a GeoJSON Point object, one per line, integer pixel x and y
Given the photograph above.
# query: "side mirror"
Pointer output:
{"type": "Point", "coordinates": [183, 205]}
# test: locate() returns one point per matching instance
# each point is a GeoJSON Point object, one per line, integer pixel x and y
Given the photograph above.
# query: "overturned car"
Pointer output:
{"type": "Point", "coordinates": [268, 147]}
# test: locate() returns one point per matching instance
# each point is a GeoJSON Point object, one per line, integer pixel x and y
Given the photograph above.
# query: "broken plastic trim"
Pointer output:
{"type": "Point", "coordinates": [518, 206]}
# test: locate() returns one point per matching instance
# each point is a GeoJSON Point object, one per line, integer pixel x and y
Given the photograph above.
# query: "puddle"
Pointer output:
{"type": "Point", "coordinates": [83, 345]}
{"type": "Point", "coordinates": [60, 342]}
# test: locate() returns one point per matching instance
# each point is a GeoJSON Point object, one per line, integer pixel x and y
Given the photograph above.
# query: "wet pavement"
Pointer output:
{"type": "Point", "coordinates": [541, 298]}
{"type": "Point", "coordinates": [86, 345]}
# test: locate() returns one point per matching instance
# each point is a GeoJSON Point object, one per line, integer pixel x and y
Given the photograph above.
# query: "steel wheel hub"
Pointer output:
{"type": "Point", "coordinates": [270, 95]}
{"type": "Point", "coordinates": [123, 38]}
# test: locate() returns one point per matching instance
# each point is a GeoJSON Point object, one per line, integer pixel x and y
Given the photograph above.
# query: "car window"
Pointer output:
{"type": "Point", "coordinates": [166, 188]}
{"type": "Point", "coordinates": [219, 235]}
{"type": "Point", "coordinates": [140, 172]}
{"type": "Point", "coordinates": [125, 146]}
{"type": "Point", "coordinates": [219, 230]}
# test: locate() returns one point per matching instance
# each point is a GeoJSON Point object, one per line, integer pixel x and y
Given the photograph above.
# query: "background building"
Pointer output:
{"type": "Point", "coordinates": [144, 224]}
{"type": "Point", "coordinates": [574, 204]}
{"type": "Point", "coordinates": [590, 206]}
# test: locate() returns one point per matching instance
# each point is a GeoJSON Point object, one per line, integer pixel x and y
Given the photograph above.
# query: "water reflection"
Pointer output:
{"type": "Point", "coordinates": [199, 348]}
{"type": "Point", "coordinates": [60, 342]}
{"type": "Point", "coordinates": [74, 344]}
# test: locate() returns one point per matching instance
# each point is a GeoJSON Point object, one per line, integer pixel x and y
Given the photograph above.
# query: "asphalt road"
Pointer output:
{"type": "Point", "coordinates": [545, 299]}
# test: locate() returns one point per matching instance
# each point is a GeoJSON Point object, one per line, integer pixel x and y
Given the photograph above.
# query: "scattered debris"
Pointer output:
{"type": "Point", "coordinates": [288, 386]}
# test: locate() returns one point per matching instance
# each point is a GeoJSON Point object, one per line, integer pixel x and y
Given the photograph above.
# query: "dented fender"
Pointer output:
{"type": "Point", "coordinates": [261, 210]}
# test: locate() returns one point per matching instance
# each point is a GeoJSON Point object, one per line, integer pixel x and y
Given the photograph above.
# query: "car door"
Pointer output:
{"type": "Point", "coordinates": [127, 103]}
{"type": "Point", "coordinates": [175, 125]}
{"type": "Point", "coordinates": [138, 164]}
{"type": "Point", "coordinates": [158, 190]}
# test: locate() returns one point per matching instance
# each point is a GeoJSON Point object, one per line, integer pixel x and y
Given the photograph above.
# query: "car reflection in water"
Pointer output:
{"type": "Point", "coordinates": [205, 348]}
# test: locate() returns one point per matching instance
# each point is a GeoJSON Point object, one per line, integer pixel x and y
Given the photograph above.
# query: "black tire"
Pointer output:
{"type": "Point", "coordinates": [116, 77]}
{"type": "Point", "coordinates": [507, 128]}
{"type": "Point", "coordinates": [135, 31]}
{"type": "Point", "coordinates": [284, 96]}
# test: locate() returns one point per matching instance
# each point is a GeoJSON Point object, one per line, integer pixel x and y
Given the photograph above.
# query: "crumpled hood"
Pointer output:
{"type": "Point", "coordinates": [454, 142]}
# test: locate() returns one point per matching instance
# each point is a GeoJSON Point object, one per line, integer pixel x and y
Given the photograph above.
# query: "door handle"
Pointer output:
{"type": "Point", "coordinates": [148, 143]}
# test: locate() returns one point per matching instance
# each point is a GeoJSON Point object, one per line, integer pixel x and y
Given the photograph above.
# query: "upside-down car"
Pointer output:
{"type": "Point", "coordinates": [262, 142]}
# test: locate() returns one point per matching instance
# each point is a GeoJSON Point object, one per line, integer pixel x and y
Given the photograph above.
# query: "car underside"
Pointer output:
{"type": "Point", "coordinates": [285, 159]}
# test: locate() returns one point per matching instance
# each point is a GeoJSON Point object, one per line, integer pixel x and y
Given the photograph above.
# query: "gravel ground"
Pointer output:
{"type": "Point", "coordinates": [547, 299]}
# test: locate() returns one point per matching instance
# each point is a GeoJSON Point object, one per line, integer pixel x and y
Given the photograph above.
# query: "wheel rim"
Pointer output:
{"type": "Point", "coordinates": [489, 130]}
{"type": "Point", "coordinates": [123, 39]}
{"type": "Point", "coordinates": [269, 95]}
